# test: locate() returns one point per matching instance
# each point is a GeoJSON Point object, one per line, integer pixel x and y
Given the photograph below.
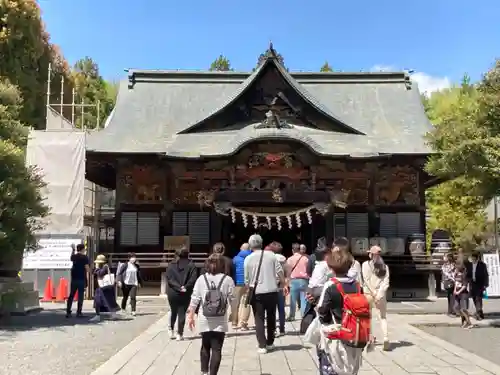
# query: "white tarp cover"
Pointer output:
{"type": "Point", "coordinates": [60, 157]}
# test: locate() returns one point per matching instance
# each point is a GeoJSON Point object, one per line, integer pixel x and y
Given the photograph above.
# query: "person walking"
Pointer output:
{"type": "Point", "coordinates": [181, 278]}
{"type": "Point", "coordinates": [220, 249]}
{"type": "Point", "coordinates": [479, 281]}
{"type": "Point", "coordinates": [129, 279]}
{"type": "Point", "coordinates": [213, 292]}
{"type": "Point", "coordinates": [277, 249]}
{"type": "Point", "coordinates": [296, 267]}
{"type": "Point", "coordinates": [263, 273]}
{"type": "Point", "coordinates": [105, 295]}
{"type": "Point", "coordinates": [461, 294]}
{"type": "Point", "coordinates": [448, 281]}
{"type": "Point", "coordinates": [240, 311]}
{"type": "Point", "coordinates": [79, 279]}
{"type": "Point", "coordinates": [339, 356]}
{"type": "Point", "coordinates": [375, 276]}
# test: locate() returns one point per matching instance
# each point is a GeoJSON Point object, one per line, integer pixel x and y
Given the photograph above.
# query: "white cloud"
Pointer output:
{"type": "Point", "coordinates": [427, 84]}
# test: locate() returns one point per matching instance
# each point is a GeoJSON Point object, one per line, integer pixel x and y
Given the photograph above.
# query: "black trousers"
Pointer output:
{"type": "Point", "coordinates": [476, 293]}
{"type": "Point", "coordinates": [129, 291]}
{"type": "Point", "coordinates": [76, 286]}
{"type": "Point", "coordinates": [264, 311]}
{"type": "Point", "coordinates": [179, 305]}
{"type": "Point", "coordinates": [451, 300]}
{"type": "Point", "coordinates": [211, 351]}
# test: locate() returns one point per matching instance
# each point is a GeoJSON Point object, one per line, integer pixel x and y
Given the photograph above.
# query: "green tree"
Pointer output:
{"type": "Point", "coordinates": [93, 92]}
{"type": "Point", "coordinates": [21, 202]}
{"type": "Point", "coordinates": [326, 67]}
{"type": "Point", "coordinates": [221, 64]}
{"type": "Point", "coordinates": [469, 141]}
{"type": "Point", "coordinates": [26, 54]}
{"type": "Point", "coordinates": [455, 205]}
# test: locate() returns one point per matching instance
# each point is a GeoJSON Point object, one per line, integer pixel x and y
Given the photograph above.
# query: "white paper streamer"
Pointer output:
{"type": "Point", "coordinates": [290, 223]}
{"type": "Point", "coordinates": [233, 215]}
{"type": "Point", "coordinates": [269, 223]}
{"type": "Point", "coordinates": [299, 222]}
{"type": "Point", "coordinates": [309, 217]}
{"type": "Point", "coordinates": [255, 221]}
{"type": "Point", "coordinates": [278, 222]}
{"type": "Point", "coordinates": [245, 220]}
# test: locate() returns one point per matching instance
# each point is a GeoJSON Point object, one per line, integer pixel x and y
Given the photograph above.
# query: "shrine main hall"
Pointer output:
{"type": "Point", "coordinates": [202, 157]}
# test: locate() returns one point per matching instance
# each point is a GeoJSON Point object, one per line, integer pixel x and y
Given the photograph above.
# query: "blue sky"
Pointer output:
{"type": "Point", "coordinates": [440, 39]}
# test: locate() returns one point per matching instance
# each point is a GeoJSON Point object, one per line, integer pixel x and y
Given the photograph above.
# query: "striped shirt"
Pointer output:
{"type": "Point", "coordinates": [212, 323]}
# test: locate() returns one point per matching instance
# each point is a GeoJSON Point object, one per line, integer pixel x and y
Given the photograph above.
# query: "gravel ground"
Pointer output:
{"type": "Point", "coordinates": [483, 341]}
{"type": "Point", "coordinates": [48, 343]}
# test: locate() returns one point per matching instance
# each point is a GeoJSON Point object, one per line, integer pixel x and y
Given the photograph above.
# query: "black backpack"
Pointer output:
{"type": "Point", "coordinates": [215, 302]}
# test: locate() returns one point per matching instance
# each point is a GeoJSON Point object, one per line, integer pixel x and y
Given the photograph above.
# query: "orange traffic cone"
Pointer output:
{"type": "Point", "coordinates": [48, 292]}
{"type": "Point", "coordinates": [61, 290]}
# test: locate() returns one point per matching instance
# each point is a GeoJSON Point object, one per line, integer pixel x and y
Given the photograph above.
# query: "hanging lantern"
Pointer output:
{"type": "Point", "coordinates": [290, 223]}
{"type": "Point", "coordinates": [244, 217]}
{"type": "Point", "coordinates": [255, 221]}
{"type": "Point", "coordinates": [278, 222]}
{"type": "Point", "coordinates": [297, 218]}
{"type": "Point", "coordinates": [233, 215]}
{"type": "Point", "coordinates": [269, 223]}
{"type": "Point", "coordinates": [309, 216]}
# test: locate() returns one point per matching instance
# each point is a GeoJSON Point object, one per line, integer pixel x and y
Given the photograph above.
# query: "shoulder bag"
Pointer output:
{"type": "Point", "coordinates": [251, 289]}
{"type": "Point", "coordinates": [107, 280]}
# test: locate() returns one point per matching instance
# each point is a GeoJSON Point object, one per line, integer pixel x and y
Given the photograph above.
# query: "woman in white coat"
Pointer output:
{"type": "Point", "coordinates": [375, 275]}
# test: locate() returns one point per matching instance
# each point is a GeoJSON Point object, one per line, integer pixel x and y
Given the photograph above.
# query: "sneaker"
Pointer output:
{"type": "Point", "coordinates": [204, 373]}
{"type": "Point", "coordinates": [68, 315]}
{"type": "Point", "coordinates": [262, 350]}
{"type": "Point", "coordinates": [178, 337]}
{"type": "Point", "coordinates": [279, 334]}
{"type": "Point", "coordinates": [95, 319]}
{"type": "Point", "coordinates": [133, 313]}
{"type": "Point", "coordinates": [171, 334]}
{"type": "Point", "coordinates": [244, 327]}
{"type": "Point", "coordinates": [270, 347]}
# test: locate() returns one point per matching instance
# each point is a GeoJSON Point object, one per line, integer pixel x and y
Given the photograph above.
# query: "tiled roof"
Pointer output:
{"type": "Point", "coordinates": [155, 108]}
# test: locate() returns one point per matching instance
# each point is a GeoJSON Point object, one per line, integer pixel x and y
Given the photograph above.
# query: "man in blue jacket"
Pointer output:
{"type": "Point", "coordinates": [240, 311]}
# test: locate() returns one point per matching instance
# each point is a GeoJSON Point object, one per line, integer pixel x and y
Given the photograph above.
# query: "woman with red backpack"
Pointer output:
{"type": "Point", "coordinates": [344, 319]}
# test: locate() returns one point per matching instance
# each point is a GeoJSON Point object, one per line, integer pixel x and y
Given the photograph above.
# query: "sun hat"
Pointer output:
{"type": "Point", "coordinates": [100, 259]}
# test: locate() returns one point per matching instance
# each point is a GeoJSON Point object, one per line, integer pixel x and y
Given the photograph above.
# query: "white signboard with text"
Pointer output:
{"type": "Point", "coordinates": [53, 253]}
{"type": "Point", "coordinates": [492, 261]}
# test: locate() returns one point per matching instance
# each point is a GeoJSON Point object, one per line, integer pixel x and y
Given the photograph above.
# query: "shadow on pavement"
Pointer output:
{"type": "Point", "coordinates": [290, 347]}
{"type": "Point", "coordinates": [399, 344]}
{"type": "Point", "coordinates": [54, 318]}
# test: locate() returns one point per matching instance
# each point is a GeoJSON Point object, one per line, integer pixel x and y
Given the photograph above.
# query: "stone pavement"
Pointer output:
{"type": "Point", "coordinates": [414, 352]}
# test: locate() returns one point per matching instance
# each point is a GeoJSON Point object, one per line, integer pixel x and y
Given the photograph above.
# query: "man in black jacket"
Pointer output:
{"type": "Point", "coordinates": [477, 273]}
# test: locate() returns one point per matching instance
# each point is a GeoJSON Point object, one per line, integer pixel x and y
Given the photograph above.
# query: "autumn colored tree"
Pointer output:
{"type": "Point", "coordinates": [21, 202]}
{"type": "Point", "coordinates": [26, 54]}
{"type": "Point", "coordinates": [97, 96]}
{"type": "Point", "coordinates": [221, 64]}
{"type": "Point", "coordinates": [326, 67]}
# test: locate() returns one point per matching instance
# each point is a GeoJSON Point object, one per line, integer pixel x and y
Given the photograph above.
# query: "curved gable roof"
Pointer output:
{"type": "Point", "coordinates": [299, 89]}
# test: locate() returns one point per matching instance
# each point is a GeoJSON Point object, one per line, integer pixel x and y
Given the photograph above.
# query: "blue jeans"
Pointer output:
{"type": "Point", "coordinates": [281, 310]}
{"type": "Point", "coordinates": [76, 286]}
{"type": "Point", "coordinates": [297, 293]}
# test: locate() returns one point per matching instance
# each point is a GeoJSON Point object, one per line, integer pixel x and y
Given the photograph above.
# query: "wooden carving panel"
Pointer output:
{"type": "Point", "coordinates": [185, 193]}
{"type": "Point", "coordinates": [142, 184]}
{"type": "Point", "coordinates": [349, 183]}
{"type": "Point", "coordinates": [397, 185]}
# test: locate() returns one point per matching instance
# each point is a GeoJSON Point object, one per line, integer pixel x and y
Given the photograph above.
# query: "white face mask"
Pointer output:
{"type": "Point", "coordinates": [132, 260]}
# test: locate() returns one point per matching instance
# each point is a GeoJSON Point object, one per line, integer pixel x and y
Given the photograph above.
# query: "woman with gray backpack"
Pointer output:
{"type": "Point", "coordinates": [213, 294]}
